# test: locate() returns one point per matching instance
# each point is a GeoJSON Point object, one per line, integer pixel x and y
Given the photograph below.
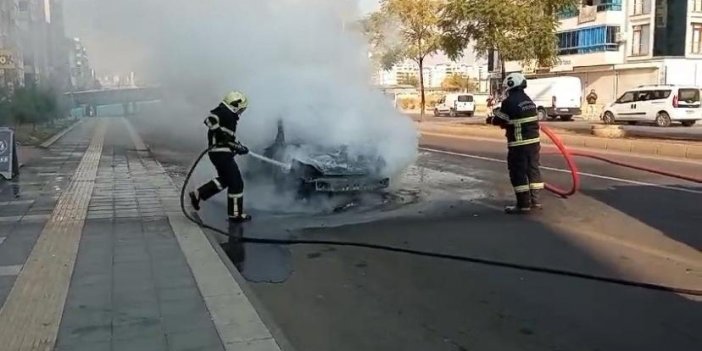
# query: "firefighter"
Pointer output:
{"type": "Point", "coordinates": [517, 115]}
{"type": "Point", "coordinates": [221, 139]}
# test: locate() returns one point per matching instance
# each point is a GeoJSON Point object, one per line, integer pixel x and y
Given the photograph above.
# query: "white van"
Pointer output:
{"type": "Point", "coordinates": [455, 104]}
{"type": "Point", "coordinates": [659, 104]}
{"type": "Point", "coordinates": [556, 96]}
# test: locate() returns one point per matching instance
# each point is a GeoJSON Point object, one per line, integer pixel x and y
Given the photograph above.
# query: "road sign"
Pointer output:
{"type": "Point", "coordinates": [9, 163]}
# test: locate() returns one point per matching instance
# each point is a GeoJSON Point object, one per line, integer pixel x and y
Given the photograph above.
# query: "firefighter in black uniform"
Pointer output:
{"type": "Point", "coordinates": [223, 147]}
{"type": "Point", "coordinates": [517, 115]}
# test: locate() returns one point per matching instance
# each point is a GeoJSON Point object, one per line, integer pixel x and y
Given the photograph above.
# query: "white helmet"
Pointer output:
{"type": "Point", "coordinates": [236, 101]}
{"type": "Point", "coordinates": [514, 80]}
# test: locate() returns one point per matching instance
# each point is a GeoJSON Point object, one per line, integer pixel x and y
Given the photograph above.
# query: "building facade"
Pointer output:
{"type": "Point", "coordinates": [82, 74]}
{"type": "Point", "coordinates": [11, 65]}
{"type": "Point", "coordinates": [434, 75]}
{"type": "Point", "coordinates": [615, 45]}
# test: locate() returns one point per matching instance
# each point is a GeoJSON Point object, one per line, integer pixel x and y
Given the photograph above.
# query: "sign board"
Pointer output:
{"type": "Point", "coordinates": [7, 59]}
{"type": "Point", "coordinates": [9, 163]}
{"type": "Point", "coordinates": [587, 14]}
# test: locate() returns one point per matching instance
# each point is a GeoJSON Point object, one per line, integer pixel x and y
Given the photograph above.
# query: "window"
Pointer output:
{"type": "Point", "coordinates": [696, 5]}
{"type": "Point", "coordinates": [640, 42]}
{"type": "Point", "coordinates": [689, 95]}
{"type": "Point", "coordinates": [24, 5]}
{"type": "Point", "coordinates": [697, 38]}
{"type": "Point", "coordinates": [643, 96]}
{"type": "Point", "coordinates": [586, 40]}
{"type": "Point", "coordinates": [626, 98]}
{"type": "Point", "coordinates": [641, 7]}
{"type": "Point", "coordinates": [658, 94]}
{"type": "Point", "coordinates": [465, 98]}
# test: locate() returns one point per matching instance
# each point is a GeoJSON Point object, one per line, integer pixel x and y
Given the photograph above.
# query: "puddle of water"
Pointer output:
{"type": "Point", "coordinates": [418, 192]}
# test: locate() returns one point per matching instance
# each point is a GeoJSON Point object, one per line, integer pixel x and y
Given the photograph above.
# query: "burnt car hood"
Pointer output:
{"type": "Point", "coordinates": [333, 161]}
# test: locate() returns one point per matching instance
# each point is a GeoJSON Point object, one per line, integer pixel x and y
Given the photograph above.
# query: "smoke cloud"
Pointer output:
{"type": "Point", "coordinates": [297, 60]}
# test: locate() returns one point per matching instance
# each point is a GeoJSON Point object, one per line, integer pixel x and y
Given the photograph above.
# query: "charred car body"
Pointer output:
{"type": "Point", "coordinates": [318, 169]}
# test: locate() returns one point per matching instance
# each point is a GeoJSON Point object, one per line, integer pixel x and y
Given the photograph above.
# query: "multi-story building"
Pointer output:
{"type": "Point", "coordinates": [11, 67]}
{"type": "Point", "coordinates": [59, 48]}
{"type": "Point", "coordinates": [34, 19]}
{"type": "Point", "coordinates": [614, 45]}
{"type": "Point", "coordinates": [82, 75]}
{"type": "Point", "coordinates": [434, 75]}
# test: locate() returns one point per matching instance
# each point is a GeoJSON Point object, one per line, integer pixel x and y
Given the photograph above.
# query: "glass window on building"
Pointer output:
{"type": "Point", "coordinates": [697, 38]}
{"type": "Point", "coordinates": [696, 5]}
{"type": "Point", "coordinates": [24, 5]}
{"type": "Point", "coordinates": [641, 7]}
{"type": "Point", "coordinates": [587, 40]}
{"type": "Point", "coordinates": [641, 40]}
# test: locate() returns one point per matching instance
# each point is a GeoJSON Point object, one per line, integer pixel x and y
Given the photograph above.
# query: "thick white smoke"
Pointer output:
{"type": "Point", "coordinates": [298, 60]}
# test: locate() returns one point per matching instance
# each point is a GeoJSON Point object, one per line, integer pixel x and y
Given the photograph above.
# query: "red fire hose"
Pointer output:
{"type": "Point", "coordinates": [570, 161]}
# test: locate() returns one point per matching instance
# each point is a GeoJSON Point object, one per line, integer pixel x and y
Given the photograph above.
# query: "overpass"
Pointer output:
{"type": "Point", "coordinates": [127, 97]}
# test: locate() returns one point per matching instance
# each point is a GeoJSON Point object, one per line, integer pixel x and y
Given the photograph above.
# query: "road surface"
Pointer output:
{"type": "Point", "coordinates": [624, 224]}
{"type": "Point", "coordinates": [674, 132]}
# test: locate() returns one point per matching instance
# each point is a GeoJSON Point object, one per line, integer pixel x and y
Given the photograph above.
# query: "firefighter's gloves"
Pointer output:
{"type": "Point", "coordinates": [240, 149]}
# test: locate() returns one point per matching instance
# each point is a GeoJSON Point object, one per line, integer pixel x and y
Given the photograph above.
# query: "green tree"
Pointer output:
{"type": "Point", "coordinates": [409, 79]}
{"type": "Point", "coordinates": [519, 30]}
{"type": "Point", "coordinates": [405, 29]}
{"type": "Point", "coordinates": [457, 82]}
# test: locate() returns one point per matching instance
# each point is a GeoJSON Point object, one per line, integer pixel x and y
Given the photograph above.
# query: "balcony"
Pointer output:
{"type": "Point", "coordinates": [591, 6]}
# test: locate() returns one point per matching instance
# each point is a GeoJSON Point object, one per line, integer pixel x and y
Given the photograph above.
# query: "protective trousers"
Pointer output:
{"type": "Point", "coordinates": [229, 177]}
{"type": "Point", "coordinates": [524, 173]}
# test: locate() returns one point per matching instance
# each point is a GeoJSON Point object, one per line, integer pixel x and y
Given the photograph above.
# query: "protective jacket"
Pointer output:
{"type": "Point", "coordinates": [517, 115]}
{"type": "Point", "coordinates": [222, 123]}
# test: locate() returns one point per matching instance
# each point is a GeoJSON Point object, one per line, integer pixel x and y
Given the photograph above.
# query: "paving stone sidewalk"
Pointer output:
{"type": "Point", "coordinates": [139, 281]}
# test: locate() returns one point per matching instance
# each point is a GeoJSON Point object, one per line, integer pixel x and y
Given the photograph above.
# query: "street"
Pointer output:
{"type": "Point", "coordinates": [674, 132]}
{"type": "Point", "coordinates": [624, 224]}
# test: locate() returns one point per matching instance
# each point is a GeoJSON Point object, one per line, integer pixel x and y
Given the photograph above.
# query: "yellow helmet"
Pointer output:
{"type": "Point", "coordinates": [236, 101]}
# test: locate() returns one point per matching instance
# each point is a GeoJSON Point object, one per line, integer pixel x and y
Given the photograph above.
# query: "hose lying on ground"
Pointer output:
{"type": "Point", "coordinates": [476, 260]}
{"type": "Point", "coordinates": [568, 155]}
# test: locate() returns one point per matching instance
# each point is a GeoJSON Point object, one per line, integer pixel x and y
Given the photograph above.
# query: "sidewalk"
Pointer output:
{"type": "Point", "coordinates": [95, 255]}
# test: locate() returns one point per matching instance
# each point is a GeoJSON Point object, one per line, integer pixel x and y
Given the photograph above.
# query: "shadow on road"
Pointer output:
{"type": "Point", "coordinates": [677, 214]}
{"type": "Point", "coordinates": [355, 299]}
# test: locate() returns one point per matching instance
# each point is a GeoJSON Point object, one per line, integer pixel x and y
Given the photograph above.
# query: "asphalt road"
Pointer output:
{"type": "Point", "coordinates": [674, 132]}
{"type": "Point", "coordinates": [624, 223]}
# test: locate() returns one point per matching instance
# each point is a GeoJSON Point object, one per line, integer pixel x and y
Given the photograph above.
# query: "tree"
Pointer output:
{"type": "Point", "coordinates": [405, 29]}
{"type": "Point", "coordinates": [457, 82]}
{"type": "Point", "coordinates": [409, 79]}
{"type": "Point", "coordinates": [519, 30]}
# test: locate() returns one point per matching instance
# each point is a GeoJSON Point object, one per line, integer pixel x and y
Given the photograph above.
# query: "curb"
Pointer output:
{"type": "Point", "coordinates": [47, 144]}
{"type": "Point", "coordinates": [690, 150]}
{"type": "Point", "coordinates": [262, 311]}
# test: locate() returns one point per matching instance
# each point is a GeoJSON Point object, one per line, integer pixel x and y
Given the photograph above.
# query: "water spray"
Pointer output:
{"type": "Point", "coordinates": [286, 167]}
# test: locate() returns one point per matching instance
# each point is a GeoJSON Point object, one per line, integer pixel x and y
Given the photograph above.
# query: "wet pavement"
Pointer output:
{"type": "Point", "coordinates": [624, 224]}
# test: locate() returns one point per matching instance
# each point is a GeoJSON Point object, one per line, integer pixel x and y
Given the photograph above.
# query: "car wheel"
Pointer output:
{"type": "Point", "coordinates": [688, 123]}
{"type": "Point", "coordinates": [663, 119]}
{"type": "Point", "coordinates": [470, 114]}
{"type": "Point", "coordinates": [631, 123]}
{"type": "Point", "coordinates": [608, 118]}
{"type": "Point", "coordinates": [541, 114]}
{"type": "Point", "coordinates": [436, 113]}
{"type": "Point", "coordinates": [566, 118]}
{"type": "Point", "coordinates": [452, 113]}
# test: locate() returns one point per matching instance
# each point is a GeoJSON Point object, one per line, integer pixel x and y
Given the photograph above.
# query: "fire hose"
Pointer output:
{"type": "Point", "coordinates": [469, 259]}
{"type": "Point", "coordinates": [570, 162]}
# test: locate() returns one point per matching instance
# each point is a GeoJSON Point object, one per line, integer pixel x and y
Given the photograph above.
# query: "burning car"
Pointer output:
{"type": "Point", "coordinates": [320, 169]}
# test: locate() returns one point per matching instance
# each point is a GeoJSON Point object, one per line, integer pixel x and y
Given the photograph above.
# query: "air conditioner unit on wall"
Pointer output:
{"type": "Point", "coordinates": [621, 37]}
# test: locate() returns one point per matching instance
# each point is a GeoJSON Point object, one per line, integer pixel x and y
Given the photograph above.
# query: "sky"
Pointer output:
{"type": "Point", "coordinates": [81, 18]}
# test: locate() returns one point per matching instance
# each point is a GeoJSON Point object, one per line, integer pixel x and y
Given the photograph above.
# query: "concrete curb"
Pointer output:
{"type": "Point", "coordinates": [47, 144]}
{"type": "Point", "coordinates": [263, 312]}
{"type": "Point", "coordinates": [685, 150]}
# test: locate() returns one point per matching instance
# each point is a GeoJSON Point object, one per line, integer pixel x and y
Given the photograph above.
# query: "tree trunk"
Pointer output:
{"type": "Point", "coordinates": [422, 101]}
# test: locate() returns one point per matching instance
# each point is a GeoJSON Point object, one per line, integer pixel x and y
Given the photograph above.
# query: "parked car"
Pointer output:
{"type": "Point", "coordinates": [556, 97]}
{"type": "Point", "coordinates": [658, 104]}
{"type": "Point", "coordinates": [455, 104]}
